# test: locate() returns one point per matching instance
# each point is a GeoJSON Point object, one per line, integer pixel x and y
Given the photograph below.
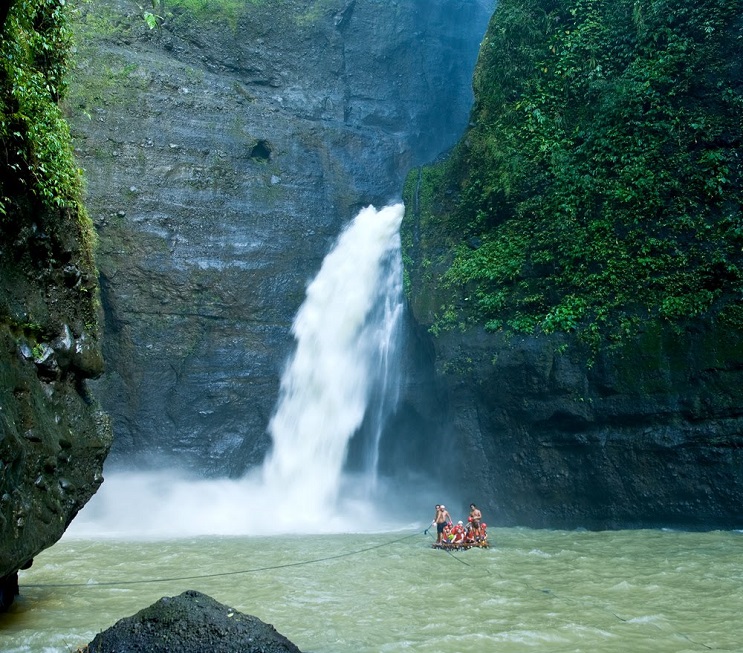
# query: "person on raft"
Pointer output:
{"type": "Point", "coordinates": [457, 535]}
{"type": "Point", "coordinates": [435, 514]}
{"type": "Point", "coordinates": [461, 537]}
{"type": "Point", "coordinates": [475, 516]}
{"type": "Point", "coordinates": [441, 519]}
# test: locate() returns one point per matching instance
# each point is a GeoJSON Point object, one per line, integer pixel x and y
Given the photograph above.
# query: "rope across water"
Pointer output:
{"type": "Point", "coordinates": [143, 581]}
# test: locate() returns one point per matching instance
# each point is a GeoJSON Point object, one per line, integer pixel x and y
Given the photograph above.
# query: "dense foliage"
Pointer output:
{"type": "Point", "coordinates": [46, 236]}
{"type": "Point", "coordinates": [601, 181]}
{"type": "Point", "coordinates": [35, 152]}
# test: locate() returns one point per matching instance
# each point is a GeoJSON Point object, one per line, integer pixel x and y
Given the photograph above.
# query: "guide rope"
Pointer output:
{"type": "Point", "coordinates": [143, 581]}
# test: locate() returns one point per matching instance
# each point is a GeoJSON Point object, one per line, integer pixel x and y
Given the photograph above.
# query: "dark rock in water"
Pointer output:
{"type": "Point", "coordinates": [8, 590]}
{"type": "Point", "coordinates": [190, 623]}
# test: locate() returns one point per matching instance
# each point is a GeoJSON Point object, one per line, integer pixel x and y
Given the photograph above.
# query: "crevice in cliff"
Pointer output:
{"type": "Point", "coordinates": [261, 151]}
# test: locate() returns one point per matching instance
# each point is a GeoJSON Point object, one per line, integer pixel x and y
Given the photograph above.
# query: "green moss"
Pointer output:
{"type": "Point", "coordinates": [601, 183]}
{"type": "Point", "coordinates": [303, 13]}
{"type": "Point", "coordinates": [227, 11]}
{"type": "Point", "coordinates": [316, 10]}
{"type": "Point", "coordinates": [427, 243]}
{"type": "Point", "coordinates": [34, 137]}
{"type": "Point", "coordinates": [115, 78]}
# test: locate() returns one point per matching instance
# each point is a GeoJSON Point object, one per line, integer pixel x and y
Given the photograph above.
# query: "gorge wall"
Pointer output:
{"type": "Point", "coordinates": [53, 435]}
{"type": "Point", "coordinates": [539, 434]}
{"type": "Point", "coordinates": [224, 150]}
{"type": "Point", "coordinates": [552, 415]}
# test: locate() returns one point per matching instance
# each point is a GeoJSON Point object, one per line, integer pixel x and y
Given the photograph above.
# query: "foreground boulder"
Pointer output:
{"type": "Point", "coordinates": [190, 623]}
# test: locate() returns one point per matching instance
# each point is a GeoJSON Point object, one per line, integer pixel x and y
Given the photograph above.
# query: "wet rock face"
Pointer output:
{"type": "Point", "coordinates": [53, 436]}
{"type": "Point", "coordinates": [648, 436]}
{"type": "Point", "coordinates": [191, 623]}
{"type": "Point", "coordinates": [223, 154]}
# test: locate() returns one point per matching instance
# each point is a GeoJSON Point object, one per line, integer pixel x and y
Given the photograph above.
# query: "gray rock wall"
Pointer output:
{"type": "Point", "coordinates": [223, 154]}
{"type": "Point", "coordinates": [53, 435]}
{"type": "Point", "coordinates": [538, 431]}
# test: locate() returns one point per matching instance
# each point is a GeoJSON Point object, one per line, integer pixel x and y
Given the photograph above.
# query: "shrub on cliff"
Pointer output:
{"type": "Point", "coordinates": [600, 183]}
{"type": "Point", "coordinates": [34, 137]}
{"type": "Point", "coordinates": [42, 217]}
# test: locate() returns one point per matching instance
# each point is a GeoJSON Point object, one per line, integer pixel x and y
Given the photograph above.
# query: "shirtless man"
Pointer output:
{"type": "Point", "coordinates": [476, 515]}
{"type": "Point", "coordinates": [475, 518]}
{"type": "Point", "coordinates": [442, 518]}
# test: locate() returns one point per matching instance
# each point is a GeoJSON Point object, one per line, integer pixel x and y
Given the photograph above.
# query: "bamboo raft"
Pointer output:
{"type": "Point", "coordinates": [461, 546]}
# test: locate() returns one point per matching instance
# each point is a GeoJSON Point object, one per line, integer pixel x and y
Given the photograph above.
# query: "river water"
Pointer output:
{"type": "Point", "coordinates": [534, 590]}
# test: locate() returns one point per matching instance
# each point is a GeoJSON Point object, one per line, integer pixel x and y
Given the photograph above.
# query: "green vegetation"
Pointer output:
{"type": "Point", "coordinates": [220, 10]}
{"type": "Point", "coordinates": [303, 12]}
{"type": "Point", "coordinates": [316, 9]}
{"type": "Point", "coordinates": [601, 182]}
{"type": "Point", "coordinates": [34, 137]}
{"type": "Point", "coordinates": [46, 236]}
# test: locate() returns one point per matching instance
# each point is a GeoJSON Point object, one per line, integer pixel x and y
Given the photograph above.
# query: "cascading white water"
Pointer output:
{"type": "Point", "coordinates": [343, 371]}
{"type": "Point", "coordinates": [345, 332]}
{"type": "Point", "coordinates": [386, 376]}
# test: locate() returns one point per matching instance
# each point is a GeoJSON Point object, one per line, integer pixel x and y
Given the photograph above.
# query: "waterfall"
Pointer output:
{"type": "Point", "coordinates": [385, 374]}
{"type": "Point", "coordinates": [343, 369]}
{"type": "Point", "coordinates": [343, 373]}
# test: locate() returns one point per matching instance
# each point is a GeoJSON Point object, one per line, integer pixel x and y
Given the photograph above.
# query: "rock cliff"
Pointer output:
{"type": "Point", "coordinates": [224, 150]}
{"type": "Point", "coordinates": [53, 436]}
{"type": "Point", "coordinates": [539, 434]}
{"type": "Point", "coordinates": [542, 426]}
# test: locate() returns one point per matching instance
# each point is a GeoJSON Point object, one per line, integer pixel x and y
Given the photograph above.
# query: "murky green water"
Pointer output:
{"type": "Point", "coordinates": [553, 591]}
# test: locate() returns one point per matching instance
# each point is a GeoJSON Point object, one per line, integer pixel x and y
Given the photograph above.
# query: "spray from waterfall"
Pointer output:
{"type": "Point", "coordinates": [342, 374]}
